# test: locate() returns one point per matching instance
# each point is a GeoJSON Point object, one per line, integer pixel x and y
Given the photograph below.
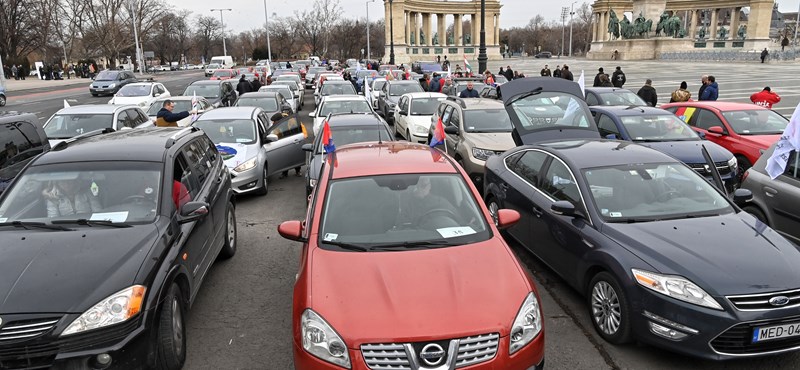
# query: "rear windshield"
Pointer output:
{"type": "Point", "coordinates": [107, 75]}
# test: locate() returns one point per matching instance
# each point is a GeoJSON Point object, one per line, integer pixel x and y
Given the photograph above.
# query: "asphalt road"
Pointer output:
{"type": "Point", "coordinates": [241, 318]}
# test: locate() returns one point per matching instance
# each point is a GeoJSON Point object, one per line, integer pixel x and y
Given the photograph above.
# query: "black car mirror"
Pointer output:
{"type": "Point", "coordinates": [564, 208]}
{"type": "Point", "coordinates": [403, 112]}
{"type": "Point", "coordinates": [308, 148]}
{"type": "Point", "coordinates": [742, 196]}
{"type": "Point", "coordinates": [193, 211]}
{"type": "Point", "coordinates": [452, 130]}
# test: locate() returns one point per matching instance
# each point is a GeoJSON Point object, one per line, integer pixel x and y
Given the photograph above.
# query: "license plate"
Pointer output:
{"type": "Point", "coordinates": [776, 332]}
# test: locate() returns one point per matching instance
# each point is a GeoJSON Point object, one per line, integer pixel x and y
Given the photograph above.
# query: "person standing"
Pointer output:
{"type": "Point", "coordinates": [469, 92]}
{"type": "Point", "coordinates": [605, 81]}
{"type": "Point", "coordinates": [765, 98]}
{"type": "Point", "coordinates": [255, 84]}
{"type": "Point", "coordinates": [546, 71]}
{"type": "Point", "coordinates": [243, 86]}
{"type": "Point", "coordinates": [438, 59]}
{"type": "Point", "coordinates": [597, 77]}
{"type": "Point", "coordinates": [502, 71]}
{"type": "Point", "coordinates": [446, 64]}
{"type": "Point", "coordinates": [764, 54]}
{"type": "Point", "coordinates": [425, 82]}
{"type": "Point", "coordinates": [618, 77]}
{"type": "Point", "coordinates": [703, 85]}
{"type": "Point", "coordinates": [566, 74]}
{"type": "Point", "coordinates": [681, 94]}
{"type": "Point", "coordinates": [557, 71]}
{"type": "Point", "coordinates": [711, 92]}
{"type": "Point", "coordinates": [489, 79]}
{"type": "Point", "coordinates": [509, 73]}
{"type": "Point", "coordinates": [14, 71]}
{"type": "Point", "coordinates": [648, 93]}
{"type": "Point", "coordinates": [433, 84]}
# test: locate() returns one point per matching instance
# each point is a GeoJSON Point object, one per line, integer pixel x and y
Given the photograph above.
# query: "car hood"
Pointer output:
{"type": "Point", "coordinates": [392, 99]}
{"type": "Point", "coordinates": [98, 83]}
{"type": "Point", "coordinates": [424, 121]}
{"type": "Point", "coordinates": [496, 141]}
{"type": "Point", "coordinates": [123, 100]}
{"type": "Point", "coordinates": [761, 141]}
{"type": "Point", "coordinates": [235, 154]}
{"type": "Point", "coordinates": [69, 271]}
{"type": "Point", "coordinates": [383, 297]}
{"type": "Point", "coordinates": [690, 151]}
{"type": "Point", "coordinates": [724, 255]}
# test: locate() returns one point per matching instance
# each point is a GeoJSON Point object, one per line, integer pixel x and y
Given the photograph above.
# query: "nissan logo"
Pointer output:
{"type": "Point", "coordinates": [432, 354]}
{"type": "Point", "coordinates": [779, 300]}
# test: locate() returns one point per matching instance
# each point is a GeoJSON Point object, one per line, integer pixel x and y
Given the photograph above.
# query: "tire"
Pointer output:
{"type": "Point", "coordinates": [408, 135]}
{"type": "Point", "coordinates": [742, 165]}
{"type": "Point", "coordinates": [171, 341]}
{"type": "Point", "coordinates": [609, 309]}
{"type": "Point", "coordinates": [755, 211]}
{"type": "Point", "coordinates": [493, 207]}
{"type": "Point", "coordinates": [93, 94]}
{"type": "Point", "coordinates": [229, 247]}
{"type": "Point", "coordinates": [2, 100]}
{"type": "Point", "coordinates": [263, 190]}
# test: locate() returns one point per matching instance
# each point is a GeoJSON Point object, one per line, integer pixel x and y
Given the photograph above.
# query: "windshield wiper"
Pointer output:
{"type": "Point", "coordinates": [348, 246]}
{"type": "Point", "coordinates": [409, 245]}
{"type": "Point", "coordinates": [535, 91]}
{"type": "Point", "coordinates": [34, 225]}
{"type": "Point", "coordinates": [631, 220]}
{"type": "Point", "coordinates": [87, 222]}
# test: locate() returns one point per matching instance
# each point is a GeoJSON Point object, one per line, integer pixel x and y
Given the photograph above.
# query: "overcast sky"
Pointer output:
{"type": "Point", "coordinates": [249, 14]}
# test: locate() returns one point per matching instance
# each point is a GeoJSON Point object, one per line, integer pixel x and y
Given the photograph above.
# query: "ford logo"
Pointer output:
{"type": "Point", "coordinates": [432, 354]}
{"type": "Point", "coordinates": [779, 300]}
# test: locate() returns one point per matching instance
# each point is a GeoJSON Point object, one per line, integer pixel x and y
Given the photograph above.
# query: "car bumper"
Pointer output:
{"type": "Point", "coordinates": [247, 181]}
{"type": "Point", "coordinates": [419, 138]}
{"type": "Point", "coordinates": [101, 90]}
{"type": "Point", "coordinates": [530, 357]}
{"type": "Point", "coordinates": [705, 332]}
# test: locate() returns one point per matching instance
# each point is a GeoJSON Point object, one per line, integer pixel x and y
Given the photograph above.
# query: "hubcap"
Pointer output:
{"type": "Point", "coordinates": [493, 208]}
{"type": "Point", "coordinates": [231, 229]}
{"type": "Point", "coordinates": [605, 308]}
{"type": "Point", "coordinates": [266, 176]}
{"type": "Point", "coordinates": [177, 326]}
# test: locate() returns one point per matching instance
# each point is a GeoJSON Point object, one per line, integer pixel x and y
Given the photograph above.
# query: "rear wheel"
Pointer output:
{"type": "Point", "coordinates": [742, 165]}
{"type": "Point", "coordinates": [171, 331]}
{"type": "Point", "coordinates": [608, 307]}
{"type": "Point", "coordinates": [2, 100]}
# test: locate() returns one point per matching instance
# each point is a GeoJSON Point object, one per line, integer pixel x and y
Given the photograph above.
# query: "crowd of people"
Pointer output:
{"type": "Point", "coordinates": [51, 71]}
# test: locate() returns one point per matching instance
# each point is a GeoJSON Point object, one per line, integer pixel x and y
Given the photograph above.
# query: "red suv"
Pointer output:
{"type": "Point", "coordinates": [402, 264]}
{"type": "Point", "coordinates": [747, 130]}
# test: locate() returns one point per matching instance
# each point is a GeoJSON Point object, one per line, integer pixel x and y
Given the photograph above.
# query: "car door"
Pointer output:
{"type": "Point", "coordinates": [400, 119]}
{"type": "Point", "coordinates": [197, 233]}
{"type": "Point", "coordinates": [286, 152]}
{"type": "Point", "coordinates": [453, 120]}
{"type": "Point", "coordinates": [608, 127]}
{"type": "Point", "coordinates": [704, 119]}
{"type": "Point", "coordinates": [782, 195]}
{"type": "Point", "coordinates": [121, 120]}
{"type": "Point", "coordinates": [520, 193]}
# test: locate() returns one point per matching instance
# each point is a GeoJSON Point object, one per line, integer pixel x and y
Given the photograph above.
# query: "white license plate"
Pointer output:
{"type": "Point", "coordinates": [776, 332]}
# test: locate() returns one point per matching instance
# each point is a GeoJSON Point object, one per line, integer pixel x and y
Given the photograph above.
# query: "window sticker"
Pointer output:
{"type": "Point", "coordinates": [329, 237]}
{"type": "Point", "coordinates": [110, 216]}
{"type": "Point", "coordinates": [615, 214]}
{"type": "Point", "coordinates": [452, 232]}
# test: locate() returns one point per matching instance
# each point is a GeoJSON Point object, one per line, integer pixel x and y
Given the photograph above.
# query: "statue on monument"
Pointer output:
{"type": "Point", "coordinates": [722, 33]}
{"type": "Point", "coordinates": [467, 39]}
{"type": "Point", "coordinates": [613, 25]}
{"type": "Point", "coordinates": [701, 34]}
{"type": "Point", "coordinates": [436, 38]}
{"type": "Point", "coordinates": [673, 27]}
{"type": "Point", "coordinates": [742, 33]}
{"type": "Point", "coordinates": [626, 27]}
{"type": "Point", "coordinates": [450, 40]}
{"type": "Point", "coordinates": [642, 26]}
{"type": "Point", "coordinates": [662, 23]}
{"type": "Point", "coordinates": [413, 39]}
{"type": "Point", "coordinates": [422, 37]}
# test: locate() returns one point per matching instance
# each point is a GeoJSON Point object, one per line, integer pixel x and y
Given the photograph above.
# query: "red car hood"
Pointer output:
{"type": "Point", "coordinates": [385, 297]}
{"type": "Point", "coordinates": [762, 141]}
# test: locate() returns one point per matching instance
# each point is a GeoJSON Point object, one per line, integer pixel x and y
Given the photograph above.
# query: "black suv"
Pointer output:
{"type": "Point", "coordinates": [105, 249]}
{"type": "Point", "coordinates": [21, 138]}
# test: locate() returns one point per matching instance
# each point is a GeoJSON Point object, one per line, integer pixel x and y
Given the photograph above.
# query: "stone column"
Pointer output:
{"type": "Point", "coordinates": [458, 24]}
{"type": "Point", "coordinates": [426, 25]}
{"type": "Point", "coordinates": [490, 29]}
{"type": "Point", "coordinates": [693, 24]}
{"type": "Point", "coordinates": [386, 33]}
{"type": "Point", "coordinates": [416, 29]}
{"type": "Point", "coordinates": [734, 31]}
{"type": "Point", "coordinates": [497, 29]}
{"type": "Point", "coordinates": [476, 29]}
{"type": "Point", "coordinates": [604, 26]}
{"type": "Point", "coordinates": [758, 23]}
{"type": "Point", "coordinates": [712, 31]}
{"type": "Point", "coordinates": [441, 21]}
{"type": "Point", "coordinates": [407, 19]}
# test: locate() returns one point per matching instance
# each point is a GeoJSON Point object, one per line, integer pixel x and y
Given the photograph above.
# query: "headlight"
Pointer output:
{"type": "Point", "coordinates": [420, 129]}
{"type": "Point", "coordinates": [482, 154]}
{"type": "Point", "coordinates": [527, 324]}
{"type": "Point", "coordinates": [246, 165]}
{"type": "Point", "coordinates": [320, 340]}
{"type": "Point", "coordinates": [732, 163]}
{"type": "Point", "coordinates": [112, 85]}
{"type": "Point", "coordinates": [115, 309]}
{"type": "Point", "coordinates": [676, 287]}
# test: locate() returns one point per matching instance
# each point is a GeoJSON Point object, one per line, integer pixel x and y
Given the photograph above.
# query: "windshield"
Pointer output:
{"type": "Point", "coordinates": [134, 90]}
{"type": "Point", "coordinates": [65, 126]}
{"type": "Point", "coordinates": [424, 106]}
{"type": "Point", "coordinates": [664, 127]}
{"type": "Point", "coordinates": [242, 131]}
{"type": "Point", "coordinates": [393, 210]}
{"type": "Point", "coordinates": [222, 73]}
{"type": "Point", "coordinates": [370, 73]}
{"type": "Point", "coordinates": [213, 66]}
{"type": "Point", "coordinates": [315, 70]}
{"type": "Point", "coordinates": [107, 75]}
{"type": "Point", "coordinates": [347, 106]}
{"type": "Point", "coordinates": [649, 192]}
{"type": "Point", "coordinates": [487, 120]}
{"type": "Point", "coordinates": [344, 135]}
{"type": "Point", "coordinates": [267, 104]}
{"type": "Point", "coordinates": [756, 122]}
{"type": "Point", "coordinates": [338, 89]}
{"type": "Point", "coordinates": [378, 84]}
{"type": "Point", "coordinates": [551, 110]}
{"type": "Point", "coordinates": [283, 90]}
{"type": "Point", "coordinates": [180, 106]}
{"type": "Point", "coordinates": [621, 97]}
{"type": "Point", "coordinates": [400, 89]}
{"type": "Point", "coordinates": [117, 191]}
{"type": "Point", "coordinates": [204, 90]}
{"type": "Point", "coordinates": [292, 84]}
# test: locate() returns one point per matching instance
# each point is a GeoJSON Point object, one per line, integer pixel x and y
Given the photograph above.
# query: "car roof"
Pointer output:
{"type": "Point", "coordinates": [355, 119]}
{"type": "Point", "coordinates": [328, 98]}
{"type": "Point", "coordinates": [606, 89]}
{"type": "Point", "coordinates": [415, 95]}
{"type": "Point", "coordinates": [336, 82]}
{"type": "Point", "coordinates": [148, 83]}
{"type": "Point", "coordinates": [207, 82]}
{"type": "Point", "coordinates": [406, 82]}
{"type": "Point", "coordinates": [623, 111]}
{"type": "Point", "coordinates": [601, 152]}
{"type": "Point", "coordinates": [180, 98]}
{"type": "Point", "coordinates": [720, 105]}
{"type": "Point", "coordinates": [229, 113]}
{"type": "Point", "coordinates": [390, 157]}
{"type": "Point", "coordinates": [150, 144]}
{"type": "Point", "coordinates": [93, 108]}
{"type": "Point", "coordinates": [477, 103]}
{"type": "Point", "coordinates": [260, 94]}
{"type": "Point", "coordinates": [11, 115]}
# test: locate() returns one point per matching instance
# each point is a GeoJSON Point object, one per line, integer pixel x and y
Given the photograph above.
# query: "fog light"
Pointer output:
{"type": "Point", "coordinates": [103, 359]}
{"type": "Point", "coordinates": [668, 329]}
{"type": "Point", "coordinates": [666, 332]}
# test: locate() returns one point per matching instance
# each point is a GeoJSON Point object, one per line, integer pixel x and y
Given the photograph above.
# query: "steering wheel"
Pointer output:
{"type": "Point", "coordinates": [667, 195]}
{"type": "Point", "coordinates": [449, 213]}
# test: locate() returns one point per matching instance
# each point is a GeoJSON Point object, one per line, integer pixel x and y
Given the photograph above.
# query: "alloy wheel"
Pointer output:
{"type": "Point", "coordinates": [177, 326]}
{"type": "Point", "coordinates": [606, 307]}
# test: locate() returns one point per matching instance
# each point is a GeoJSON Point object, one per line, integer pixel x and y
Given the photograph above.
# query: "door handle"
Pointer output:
{"type": "Point", "coordinates": [503, 186]}
{"type": "Point", "coordinates": [537, 211]}
{"type": "Point", "coordinates": [770, 192]}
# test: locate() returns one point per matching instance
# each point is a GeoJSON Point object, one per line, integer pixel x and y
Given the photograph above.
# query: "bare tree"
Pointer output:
{"type": "Point", "coordinates": [208, 29]}
{"type": "Point", "coordinates": [18, 36]}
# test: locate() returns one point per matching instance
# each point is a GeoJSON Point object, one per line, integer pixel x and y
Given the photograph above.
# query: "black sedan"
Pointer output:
{"type": "Point", "coordinates": [661, 255]}
{"type": "Point", "coordinates": [104, 250]}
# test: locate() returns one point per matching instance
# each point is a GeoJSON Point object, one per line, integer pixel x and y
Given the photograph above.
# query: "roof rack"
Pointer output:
{"type": "Point", "coordinates": [179, 134]}
{"type": "Point", "coordinates": [458, 100]}
{"type": "Point", "coordinates": [64, 144]}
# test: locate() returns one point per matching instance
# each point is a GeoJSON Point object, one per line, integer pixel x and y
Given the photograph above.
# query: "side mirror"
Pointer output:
{"type": "Point", "coordinates": [193, 211]}
{"type": "Point", "coordinates": [312, 114]}
{"type": "Point", "coordinates": [452, 130]}
{"type": "Point", "coordinates": [563, 208]}
{"type": "Point", "coordinates": [271, 138]}
{"type": "Point", "coordinates": [611, 136]}
{"type": "Point", "coordinates": [155, 93]}
{"type": "Point", "coordinates": [507, 218]}
{"type": "Point", "coordinates": [403, 112]}
{"type": "Point", "coordinates": [308, 147]}
{"type": "Point", "coordinates": [742, 196]}
{"type": "Point", "coordinates": [292, 230]}
{"type": "Point", "coordinates": [716, 130]}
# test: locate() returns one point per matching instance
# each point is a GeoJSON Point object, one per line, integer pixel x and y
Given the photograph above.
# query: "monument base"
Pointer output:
{"type": "Point", "coordinates": [405, 54]}
{"type": "Point", "coordinates": [652, 48]}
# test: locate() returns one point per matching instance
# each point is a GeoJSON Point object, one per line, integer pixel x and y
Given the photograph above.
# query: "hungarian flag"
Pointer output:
{"type": "Point", "coordinates": [438, 134]}
{"type": "Point", "coordinates": [327, 138]}
{"type": "Point", "coordinates": [467, 66]}
{"type": "Point", "coordinates": [194, 106]}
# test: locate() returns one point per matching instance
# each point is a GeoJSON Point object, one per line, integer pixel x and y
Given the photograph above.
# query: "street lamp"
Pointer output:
{"type": "Point", "coordinates": [369, 1]}
{"type": "Point", "coordinates": [269, 49]}
{"type": "Point", "coordinates": [571, 13]}
{"type": "Point", "coordinates": [224, 48]}
{"type": "Point", "coordinates": [391, 33]}
{"type": "Point", "coordinates": [564, 12]}
{"type": "Point", "coordinates": [482, 58]}
{"type": "Point", "coordinates": [135, 37]}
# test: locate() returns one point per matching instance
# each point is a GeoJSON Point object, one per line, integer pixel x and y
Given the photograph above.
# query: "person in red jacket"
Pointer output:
{"type": "Point", "coordinates": [765, 98]}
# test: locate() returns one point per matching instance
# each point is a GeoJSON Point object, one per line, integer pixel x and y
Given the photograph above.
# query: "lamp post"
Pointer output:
{"type": "Point", "coordinates": [391, 33]}
{"type": "Point", "coordinates": [136, 38]}
{"type": "Point", "coordinates": [482, 58]}
{"type": "Point", "coordinates": [564, 12]}
{"type": "Point", "coordinates": [571, 13]}
{"type": "Point", "coordinates": [224, 48]}
{"type": "Point", "coordinates": [369, 1]}
{"type": "Point", "coordinates": [269, 49]}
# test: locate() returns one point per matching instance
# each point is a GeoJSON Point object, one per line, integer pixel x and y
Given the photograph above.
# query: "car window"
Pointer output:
{"type": "Point", "coordinates": [529, 165]}
{"type": "Point", "coordinates": [142, 117]}
{"type": "Point", "coordinates": [447, 113]}
{"type": "Point", "coordinates": [455, 118]}
{"type": "Point", "coordinates": [559, 183]}
{"type": "Point", "coordinates": [187, 186]}
{"type": "Point", "coordinates": [591, 99]}
{"type": "Point", "coordinates": [195, 153]}
{"type": "Point", "coordinates": [287, 127]}
{"type": "Point", "coordinates": [607, 127]}
{"type": "Point", "coordinates": [706, 118]}
{"type": "Point", "coordinates": [122, 120]}
{"type": "Point", "coordinates": [133, 118]}
{"type": "Point", "coordinates": [19, 141]}
{"type": "Point", "coordinates": [65, 126]}
{"type": "Point", "coordinates": [755, 122]}
{"type": "Point", "coordinates": [792, 165]}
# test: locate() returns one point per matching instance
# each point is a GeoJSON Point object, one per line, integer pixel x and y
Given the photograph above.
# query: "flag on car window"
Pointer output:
{"type": "Point", "coordinates": [194, 107]}
{"type": "Point", "coordinates": [438, 134]}
{"type": "Point", "coordinates": [790, 140]}
{"type": "Point", "coordinates": [327, 139]}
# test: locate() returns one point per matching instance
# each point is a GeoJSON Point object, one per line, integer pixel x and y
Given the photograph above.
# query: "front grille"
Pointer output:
{"type": "Point", "coordinates": [19, 330]}
{"type": "Point", "coordinates": [722, 168]}
{"type": "Point", "coordinates": [761, 301]}
{"type": "Point", "coordinates": [477, 349]}
{"type": "Point", "coordinates": [738, 340]}
{"type": "Point", "coordinates": [385, 356]}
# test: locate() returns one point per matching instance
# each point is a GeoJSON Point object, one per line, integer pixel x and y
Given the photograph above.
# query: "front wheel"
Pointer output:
{"type": "Point", "coordinates": [2, 100]}
{"type": "Point", "coordinates": [171, 331]}
{"type": "Point", "coordinates": [608, 307]}
{"type": "Point", "coordinates": [229, 247]}
{"type": "Point", "coordinates": [264, 182]}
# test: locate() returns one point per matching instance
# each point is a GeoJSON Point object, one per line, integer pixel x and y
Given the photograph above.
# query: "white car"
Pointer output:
{"type": "Point", "coordinates": [182, 104]}
{"type": "Point", "coordinates": [299, 92]}
{"type": "Point", "coordinates": [412, 115]}
{"type": "Point", "coordinates": [211, 68]}
{"type": "Point", "coordinates": [80, 119]}
{"type": "Point", "coordinates": [333, 86]}
{"type": "Point", "coordinates": [374, 90]}
{"type": "Point", "coordinates": [140, 93]}
{"type": "Point", "coordinates": [338, 104]}
{"type": "Point", "coordinates": [287, 93]}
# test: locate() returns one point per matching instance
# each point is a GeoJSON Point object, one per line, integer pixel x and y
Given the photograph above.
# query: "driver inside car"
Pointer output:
{"type": "Point", "coordinates": [422, 208]}
{"type": "Point", "coordinates": [67, 197]}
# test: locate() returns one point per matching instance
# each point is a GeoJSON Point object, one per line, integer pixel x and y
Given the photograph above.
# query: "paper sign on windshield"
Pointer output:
{"type": "Point", "coordinates": [110, 216]}
{"type": "Point", "coordinates": [452, 232]}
